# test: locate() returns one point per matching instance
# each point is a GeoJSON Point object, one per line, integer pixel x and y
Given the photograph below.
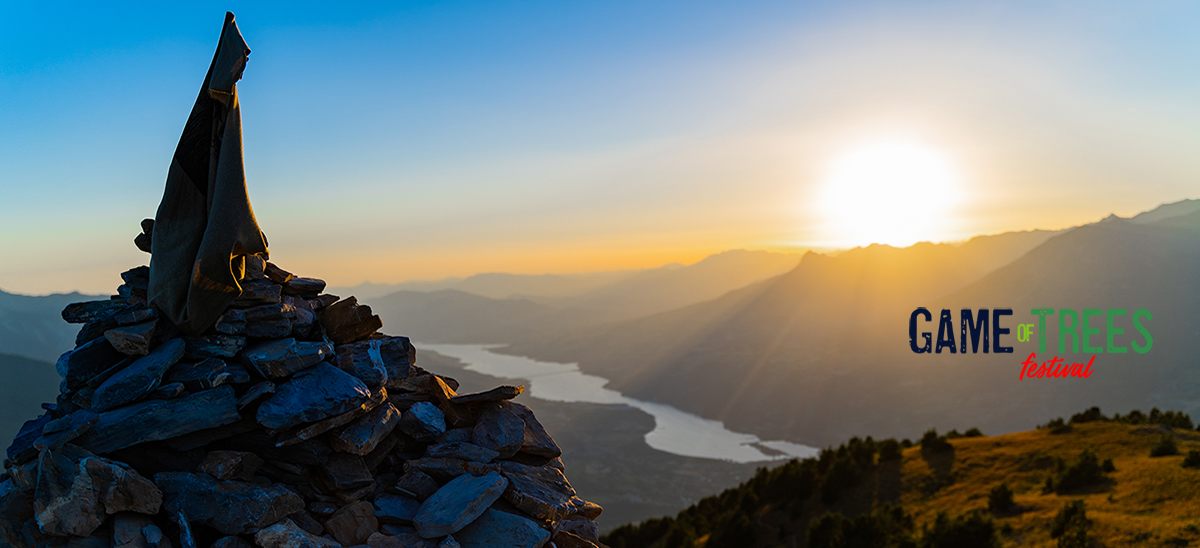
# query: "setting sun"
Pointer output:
{"type": "Point", "coordinates": [895, 193]}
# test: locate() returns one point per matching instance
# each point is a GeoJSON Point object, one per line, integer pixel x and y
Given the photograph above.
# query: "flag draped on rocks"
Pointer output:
{"type": "Point", "coordinates": [261, 411]}
{"type": "Point", "coordinates": [204, 223]}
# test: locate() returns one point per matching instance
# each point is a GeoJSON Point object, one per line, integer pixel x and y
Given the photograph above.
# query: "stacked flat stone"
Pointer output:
{"type": "Point", "coordinates": [291, 423]}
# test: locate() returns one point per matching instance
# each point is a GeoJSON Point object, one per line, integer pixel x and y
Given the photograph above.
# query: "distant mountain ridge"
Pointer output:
{"type": "Point", "coordinates": [822, 350]}
{"type": "Point", "coordinates": [33, 326]}
{"type": "Point", "coordinates": [459, 316]}
{"type": "Point", "coordinates": [627, 293]}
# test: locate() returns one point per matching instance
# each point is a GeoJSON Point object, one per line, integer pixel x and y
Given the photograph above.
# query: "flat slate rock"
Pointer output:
{"type": "Point", "coordinates": [227, 465]}
{"type": "Point", "coordinates": [21, 449]}
{"type": "Point", "coordinates": [81, 365]}
{"type": "Point", "coordinates": [347, 321]}
{"type": "Point", "coordinates": [213, 346]}
{"type": "Point", "coordinates": [499, 429]}
{"type": "Point", "coordinates": [423, 421]}
{"type": "Point", "coordinates": [362, 435]}
{"type": "Point", "coordinates": [209, 373]}
{"type": "Point", "coordinates": [416, 484]}
{"type": "Point", "coordinates": [396, 509]}
{"type": "Point", "coordinates": [137, 379]}
{"type": "Point", "coordinates": [258, 292]}
{"type": "Point", "coordinates": [445, 469]}
{"type": "Point", "coordinates": [496, 529]}
{"type": "Point", "coordinates": [91, 311]}
{"type": "Point", "coordinates": [537, 441]}
{"type": "Point", "coordinates": [230, 507]}
{"type": "Point", "coordinates": [542, 492]}
{"type": "Point", "coordinates": [132, 339]}
{"type": "Point", "coordinates": [312, 395]}
{"type": "Point", "coordinates": [232, 322]}
{"type": "Point", "coordinates": [498, 393]}
{"type": "Point", "coordinates": [160, 420]}
{"type": "Point", "coordinates": [353, 524]}
{"type": "Point", "coordinates": [303, 286]}
{"type": "Point", "coordinates": [59, 432]}
{"type": "Point", "coordinates": [347, 472]}
{"type": "Point", "coordinates": [131, 315]}
{"type": "Point", "coordinates": [461, 450]}
{"type": "Point", "coordinates": [281, 358]}
{"type": "Point", "coordinates": [256, 393]}
{"type": "Point", "coordinates": [458, 503]}
{"type": "Point", "coordinates": [286, 534]}
{"type": "Point", "coordinates": [378, 360]}
{"type": "Point", "coordinates": [76, 489]}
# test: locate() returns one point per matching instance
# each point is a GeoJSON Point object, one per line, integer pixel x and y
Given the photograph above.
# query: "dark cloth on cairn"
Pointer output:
{"type": "Point", "coordinates": [204, 225]}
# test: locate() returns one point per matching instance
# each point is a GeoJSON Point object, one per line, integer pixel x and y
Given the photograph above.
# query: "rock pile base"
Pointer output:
{"type": "Point", "coordinates": [291, 423]}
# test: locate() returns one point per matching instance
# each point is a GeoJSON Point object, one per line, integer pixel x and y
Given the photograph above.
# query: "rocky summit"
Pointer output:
{"type": "Point", "coordinates": [290, 423]}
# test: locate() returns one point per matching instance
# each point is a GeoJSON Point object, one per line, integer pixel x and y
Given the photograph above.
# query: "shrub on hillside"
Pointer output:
{"type": "Point", "coordinates": [1084, 471]}
{"type": "Point", "coordinates": [934, 443]}
{"type": "Point", "coordinates": [1165, 447]}
{"type": "Point", "coordinates": [1000, 499]}
{"type": "Point", "coordinates": [843, 474]}
{"type": "Point", "coordinates": [738, 532]}
{"type": "Point", "coordinates": [972, 433]}
{"type": "Point", "coordinates": [890, 526]}
{"type": "Point", "coordinates": [974, 529]}
{"type": "Point", "coordinates": [1108, 466]}
{"type": "Point", "coordinates": [1174, 419]}
{"type": "Point", "coordinates": [889, 449]}
{"type": "Point", "coordinates": [1192, 460]}
{"type": "Point", "coordinates": [1070, 525]}
{"type": "Point", "coordinates": [1056, 426]}
{"type": "Point", "coordinates": [1091, 415]}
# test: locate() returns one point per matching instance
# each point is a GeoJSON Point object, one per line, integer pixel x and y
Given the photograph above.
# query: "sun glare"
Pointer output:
{"type": "Point", "coordinates": [894, 193]}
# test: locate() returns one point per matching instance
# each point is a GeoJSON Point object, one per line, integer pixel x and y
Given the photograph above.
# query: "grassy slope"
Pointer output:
{"type": "Point", "coordinates": [1145, 502]}
{"type": "Point", "coordinates": [1153, 499]}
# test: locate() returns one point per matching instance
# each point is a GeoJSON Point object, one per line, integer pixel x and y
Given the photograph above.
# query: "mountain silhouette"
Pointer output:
{"type": "Point", "coordinates": [823, 351]}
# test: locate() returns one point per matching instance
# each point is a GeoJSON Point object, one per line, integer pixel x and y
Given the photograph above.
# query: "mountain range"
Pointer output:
{"type": "Point", "coordinates": [823, 350]}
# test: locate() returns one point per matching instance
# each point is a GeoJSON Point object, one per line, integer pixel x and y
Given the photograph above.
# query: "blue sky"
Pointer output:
{"type": "Point", "coordinates": [391, 142]}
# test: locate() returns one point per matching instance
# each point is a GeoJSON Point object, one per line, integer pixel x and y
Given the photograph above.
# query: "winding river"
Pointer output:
{"type": "Point", "coordinates": [674, 431]}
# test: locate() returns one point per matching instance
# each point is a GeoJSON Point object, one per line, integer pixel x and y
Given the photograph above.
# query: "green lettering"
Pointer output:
{"type": "Point", "coordinates": [1110, 331]}
{"type": "Point", "coordinates": [1086, 331]}
{"type": "Point", "coordinates": [1063, 329]}
{"type": "Point", "coordinates": [1041, 314]}
{"type": "Point", "coordinates": [1138, 326]}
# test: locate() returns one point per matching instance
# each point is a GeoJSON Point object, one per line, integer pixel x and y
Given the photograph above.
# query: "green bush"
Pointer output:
{"type": "Point", "coordinates": [831, 530]}
{"type": "Point", "coordinates": [1070, 525]}
{"type": "Point", "coordinates": [1192, 460]}
{"type": "Point", "coordinates": [889, 449]}
{"type": "Point", "coordinates": [888, 527]}
{"type": "Point", "coordinates": [973, 433]}
{"type": "Point", "coordinates": [1083, 472]}
{"type": "Point", "coordinates": [1056, 426]}
{"type": "Point", "coordinates": [1166, 446]}
{"type": "Point", "coordinates": [1000, 499]}
{"type": "Point", "coordinates": [1090, 415]}
{"type": "Point", "coordinates": [1174, 419]}
{"type": "Point", "coordinates": [934, 443]}
{"type": "Point", "coordinates": [972, 530]}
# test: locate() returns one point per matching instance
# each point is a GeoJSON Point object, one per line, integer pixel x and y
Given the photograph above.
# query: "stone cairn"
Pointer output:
{"type": "Point", "coordinates": [291, 423]}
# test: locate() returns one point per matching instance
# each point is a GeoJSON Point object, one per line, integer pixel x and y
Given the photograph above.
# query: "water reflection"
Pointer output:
{"type": "Point", "coordinates": [674, 431]}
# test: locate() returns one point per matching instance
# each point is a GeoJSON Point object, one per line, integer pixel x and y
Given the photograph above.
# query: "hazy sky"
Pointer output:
{"type": "Point", "coordinates": [390, 143]}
